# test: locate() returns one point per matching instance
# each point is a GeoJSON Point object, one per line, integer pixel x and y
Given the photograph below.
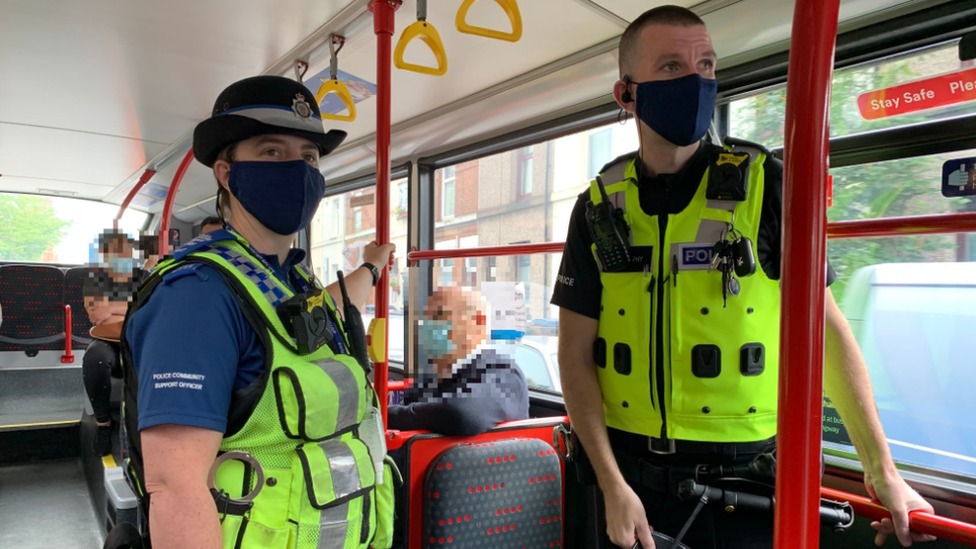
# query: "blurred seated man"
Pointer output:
{"type": "Point", "coordinates": [468, 388]}
{"type": "Point", "coordinates": [107, 292]}
{"type": "Point", "coordinates": [149, 246]}
{"type": "Point", "coordinates": [210, 224]}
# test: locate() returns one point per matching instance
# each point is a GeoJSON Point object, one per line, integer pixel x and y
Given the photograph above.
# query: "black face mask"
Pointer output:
{"type": "Point", "coordinates": [678, 110]}
{"type": "Point", "coordinates": [282, 196]}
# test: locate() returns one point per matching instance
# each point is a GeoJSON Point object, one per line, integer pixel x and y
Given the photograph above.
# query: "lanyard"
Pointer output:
{"type": "Point", "coordinates": [299, 281]}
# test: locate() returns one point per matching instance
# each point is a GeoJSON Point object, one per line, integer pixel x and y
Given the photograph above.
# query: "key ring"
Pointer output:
{"type": "Point", "coordinates": [243, 457]}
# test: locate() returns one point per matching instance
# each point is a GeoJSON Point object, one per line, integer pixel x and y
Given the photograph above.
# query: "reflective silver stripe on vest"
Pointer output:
{"type": "Point", "coordinates": [333, 525]}
{"type": "Point", "coordinates": [342, 467]}
{"type": "Point", "coordinates": [709, 230]}
{"type": "Point", "coordinates": [269, 285]}
{"type": "Point", "coordinates": [345, 383]}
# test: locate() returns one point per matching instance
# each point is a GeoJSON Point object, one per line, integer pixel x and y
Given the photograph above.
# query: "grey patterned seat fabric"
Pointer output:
{"type": "Point", "coordinates": [495, 494]}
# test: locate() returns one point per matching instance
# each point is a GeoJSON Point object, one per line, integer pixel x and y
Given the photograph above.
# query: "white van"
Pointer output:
{"type": "Point", "coordinates": [916, 325]}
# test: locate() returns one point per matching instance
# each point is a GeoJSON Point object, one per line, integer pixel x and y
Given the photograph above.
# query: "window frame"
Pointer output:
{"type": "Point", "coordinates": [524, 158]}
{"type": "Point", "coordinates": [444, 182]}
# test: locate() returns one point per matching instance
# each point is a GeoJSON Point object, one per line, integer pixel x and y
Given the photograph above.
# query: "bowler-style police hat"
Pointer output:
{"type": "Point", "coordinates": [262, 105]}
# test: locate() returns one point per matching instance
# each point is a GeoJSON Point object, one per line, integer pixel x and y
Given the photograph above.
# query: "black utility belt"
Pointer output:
{"type": "Point", "coordinates": [716, 451]}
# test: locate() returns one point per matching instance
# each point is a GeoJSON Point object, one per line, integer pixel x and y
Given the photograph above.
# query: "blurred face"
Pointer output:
{"type": "Point", "coordinates": [667, 52]}
{"type": "Point", "coordinates": [210, 228]}
{"type": "Point", "coordinates": [453, 325]}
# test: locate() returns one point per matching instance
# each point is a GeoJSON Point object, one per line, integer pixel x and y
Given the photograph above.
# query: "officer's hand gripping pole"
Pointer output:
{"type": "Point", "coordinates": [355, 331]}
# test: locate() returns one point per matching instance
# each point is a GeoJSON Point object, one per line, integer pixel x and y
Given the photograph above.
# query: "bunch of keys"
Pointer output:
{"type": "Point", "coordinates": [733, 256]}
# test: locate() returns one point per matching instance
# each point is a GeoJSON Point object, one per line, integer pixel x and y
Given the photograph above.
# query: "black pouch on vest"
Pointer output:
{"type": "Point", "coordinates": [306, 320]}
{"type": "Point", "coordinates": [728, 176]}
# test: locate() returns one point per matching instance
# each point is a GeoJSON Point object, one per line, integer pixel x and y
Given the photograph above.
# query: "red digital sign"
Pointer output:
{"type": "Point", "coordinates": [930, 93]}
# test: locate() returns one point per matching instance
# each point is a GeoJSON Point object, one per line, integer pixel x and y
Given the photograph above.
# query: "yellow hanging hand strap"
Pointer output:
{"type": "Point", "coordinates": [335, 86]}
{"type": "Point", "coordinates": [429, 35]}
{"type": "Point", "coordinates": [514, 17]}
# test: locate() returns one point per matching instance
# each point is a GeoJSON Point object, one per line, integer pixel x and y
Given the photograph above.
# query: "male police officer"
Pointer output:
{"type": "Point", "coordinates": [232, 347]}
{"type": "Point", "coordinates": [666, 363]}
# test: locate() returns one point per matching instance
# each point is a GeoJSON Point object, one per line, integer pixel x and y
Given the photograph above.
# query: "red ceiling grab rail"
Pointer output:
{"type": "Point", "coordinates": [922, 523]}
{"type": "Point", "coordinates": [146, 176]}
{"type": "Point", "coordinates": [174, 188]}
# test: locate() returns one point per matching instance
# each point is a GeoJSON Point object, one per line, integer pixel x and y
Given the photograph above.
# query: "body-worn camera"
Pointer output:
{"type": "Point", "coordinates": [728, 176]}
{"type": "Point", "coordinates": [306, 318]}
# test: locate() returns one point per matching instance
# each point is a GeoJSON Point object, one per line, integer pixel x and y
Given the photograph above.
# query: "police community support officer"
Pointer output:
{"type": "Point", "coordinates": [650, 355]}
{"type": "Point", "coordinates": [211, 366]}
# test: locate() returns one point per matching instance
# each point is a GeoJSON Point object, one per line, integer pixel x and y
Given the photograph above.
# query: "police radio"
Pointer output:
{"type": "Point", "coordinates": [305, 318]}
{"type": "Point", "coordinates": [609, 231]}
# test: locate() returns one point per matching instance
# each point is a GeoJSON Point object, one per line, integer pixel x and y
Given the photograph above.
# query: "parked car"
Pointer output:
{"type": "Point", "coordinates": [914, 324]}
{"type": "Point", "coordinates": [537, 357]}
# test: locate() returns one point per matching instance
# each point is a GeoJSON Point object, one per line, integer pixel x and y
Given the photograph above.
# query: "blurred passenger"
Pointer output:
{"type": "Point", "coordinates": [107, 292]}
{"type": "Point", "coordinates": [467, 388]}
{"type": "Point", "coordinates": [149, 246]}
{"type": "Point", "coordinates": [210, 224]}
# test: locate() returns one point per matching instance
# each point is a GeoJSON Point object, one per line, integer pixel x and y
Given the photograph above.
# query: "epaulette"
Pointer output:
{"type": "Point", "coordinates": [746, 146]}
{"type": "Point", "coordinates": [202, 241]}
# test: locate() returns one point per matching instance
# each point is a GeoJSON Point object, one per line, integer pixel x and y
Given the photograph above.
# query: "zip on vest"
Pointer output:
{"type": "Point", "coordinates": [658, 337]}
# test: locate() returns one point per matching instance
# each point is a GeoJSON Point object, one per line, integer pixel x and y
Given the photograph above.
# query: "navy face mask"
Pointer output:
{"type": "Point", "coordinates": [678, 110]}
{"type": "Point", "coordinates": [282, 196]}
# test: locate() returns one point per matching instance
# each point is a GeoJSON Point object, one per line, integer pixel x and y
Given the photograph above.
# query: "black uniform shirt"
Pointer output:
{"type": "Point", "coordinates": [578, 287]}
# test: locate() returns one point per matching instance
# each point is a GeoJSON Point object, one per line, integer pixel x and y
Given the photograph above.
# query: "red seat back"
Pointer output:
{"type": "Point", "coordinates": [419, 453]}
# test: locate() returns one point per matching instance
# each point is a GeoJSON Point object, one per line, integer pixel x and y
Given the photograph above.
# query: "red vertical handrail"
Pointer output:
{"type": "Point", "coordinates": [797, 524]}
{"type": "Point", "coordinates": [383, 27]}
{"type": "Point", "coordinates": [143, 179]}
{"type": "Point", "coordinates": [67, 357]}
{"type": "Point", "coordinates": [174, 188]}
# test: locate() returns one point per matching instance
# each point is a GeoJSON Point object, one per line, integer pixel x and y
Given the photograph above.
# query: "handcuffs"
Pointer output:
{"type": "Point", "coordinates": [227, 505]}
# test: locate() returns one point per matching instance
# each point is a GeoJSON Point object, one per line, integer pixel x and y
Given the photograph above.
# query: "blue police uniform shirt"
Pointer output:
{"type": "Point", "coordinates": [193, 348]}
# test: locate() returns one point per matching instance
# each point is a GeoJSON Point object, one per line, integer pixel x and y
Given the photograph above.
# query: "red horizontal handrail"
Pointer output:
{"type": "Point", "coordinates": [903, 226]}
{"type": "Point", "coordinates": [862, 228]}
{"type": "Point", "coordinates": [487, 251]}
{"type": "Point", "coordinates": [922, 523]}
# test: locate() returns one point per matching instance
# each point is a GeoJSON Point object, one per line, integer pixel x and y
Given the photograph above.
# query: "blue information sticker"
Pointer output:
{"type": "Point", "coordinates": [959, 177]}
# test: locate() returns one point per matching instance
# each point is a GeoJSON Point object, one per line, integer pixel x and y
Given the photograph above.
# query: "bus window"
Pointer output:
{"type": "Point", "coordinates": [913, 323]}
{"type": "Point", "coordinates": [760, 117]}
{"type": "Point", "coordinates": [895, 188]}
{"type": "Point", "coordinates": [47, 229]}
{"type": "Point", "coordinates": [342, 226]}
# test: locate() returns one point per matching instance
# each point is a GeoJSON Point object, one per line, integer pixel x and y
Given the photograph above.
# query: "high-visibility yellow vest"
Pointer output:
{"type": "Point", "coordinates": [672, 361]}
{"type": "Point", "coordinates": [320, 484]}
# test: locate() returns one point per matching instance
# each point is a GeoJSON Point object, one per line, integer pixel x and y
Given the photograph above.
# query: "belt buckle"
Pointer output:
{"type": "Point", "coordinates": [662, 446]}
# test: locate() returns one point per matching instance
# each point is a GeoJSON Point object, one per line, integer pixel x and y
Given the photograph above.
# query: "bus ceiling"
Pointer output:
{"type": "Point", "coordinates": [132, 80]}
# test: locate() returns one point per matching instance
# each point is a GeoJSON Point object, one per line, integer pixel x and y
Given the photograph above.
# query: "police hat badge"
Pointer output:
{"type": "Point", "coordinates": [301, 107]}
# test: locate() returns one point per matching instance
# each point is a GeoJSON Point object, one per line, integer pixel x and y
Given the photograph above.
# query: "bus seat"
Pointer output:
{"type": "Point", "coordinates": [32, 298]}
{"type": "Point", "coordinates": [444, 476]}
{"type": "Point", "coordinates": [74, 281]}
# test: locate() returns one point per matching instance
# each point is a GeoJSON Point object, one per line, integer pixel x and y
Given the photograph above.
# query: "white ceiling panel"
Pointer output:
{"type": "Point", "coordinates": [734, 29]}
{"type": "Point", "coordinates": [631, 9]}
{"type": "Point", "coordinates": [560, 91]}
{"type": "Point", "coordinates": [60, 155]}
{"type": "Point", "coordinates": [474, 63]}
{"type": "Point", "coordinates": [146, 70]}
